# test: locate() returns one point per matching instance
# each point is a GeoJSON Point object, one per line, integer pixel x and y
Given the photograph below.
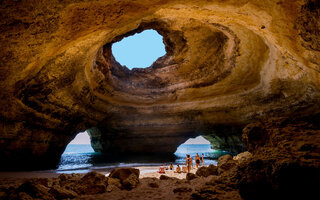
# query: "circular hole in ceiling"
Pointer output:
{"type": "Point", "coordinates": [139, 50]}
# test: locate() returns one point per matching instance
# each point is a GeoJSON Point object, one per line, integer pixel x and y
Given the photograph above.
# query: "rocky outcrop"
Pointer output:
{"type": "Point", "coordinates": [207, 171]}
{"type": "Point", "coordinates": [72, 186]}
{"type": "Point", "coordinates": [228, 63]}
{"type": "Point", "coordinates": [191, 176]}
{"type": "Point", "coordinates": [226, 163]}
{"type": "Point", "coordinates": [129, 177]}
{"type": "Point", "coordinates": [283, 163]}
{"type": "Point", "coordinates": [243, 157]}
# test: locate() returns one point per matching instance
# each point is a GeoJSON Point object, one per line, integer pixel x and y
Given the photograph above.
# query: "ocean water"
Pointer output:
{"type": "Point", "coordinates": [81, 158]}
{"type": "Point", "coordinates": [210, 155]}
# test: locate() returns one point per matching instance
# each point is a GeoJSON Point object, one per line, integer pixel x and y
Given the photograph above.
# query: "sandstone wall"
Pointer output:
{"type": "Point", "coordinates": [228, 63]}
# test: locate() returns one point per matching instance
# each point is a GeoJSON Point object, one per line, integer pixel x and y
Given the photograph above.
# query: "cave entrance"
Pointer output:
{"type": "Point", "coordinates": [201, 146]}
{"type": "Point", "coordinates": [77, 154]}
{"type": "Point", "coordinates": [139, 50]}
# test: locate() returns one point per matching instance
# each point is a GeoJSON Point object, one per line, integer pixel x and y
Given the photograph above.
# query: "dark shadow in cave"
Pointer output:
{"type": "Point", "coordinates": [79, 157]}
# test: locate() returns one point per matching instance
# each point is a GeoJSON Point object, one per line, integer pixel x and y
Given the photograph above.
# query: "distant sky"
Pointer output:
{"type": "Point", "coordinates": [197, 140]}
{"type": "Point", "coordinates": [81, 138]}
{"type": "Point", "coordinates": [139, 50]}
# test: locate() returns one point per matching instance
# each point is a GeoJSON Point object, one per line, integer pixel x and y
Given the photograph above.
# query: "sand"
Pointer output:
{"type": "Point", "coordinates": [145, 172]}
{"type": "Point", "coordinates": [150, 187]}
{"type": "Point", "coordinates": [152, 172]}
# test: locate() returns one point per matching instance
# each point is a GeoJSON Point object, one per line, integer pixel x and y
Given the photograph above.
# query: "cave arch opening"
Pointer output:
{"type": "Point", "coordinates": [200, 145]}
{"type": "Point", "coordinates": [139, 50]}
{"type": "Point", "coordinates": [77, 153]}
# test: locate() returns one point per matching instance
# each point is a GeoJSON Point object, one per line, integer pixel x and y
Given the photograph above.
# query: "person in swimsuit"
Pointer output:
{"type": "Point", "coordinates": [197, 158]}
{"type": "Point", "coordinates": [171, 167]}
{"type": "Point", "coordinates": [189, 163]}
{"type": "Point", "coordinates": [161, 170]}
{"type": "Point", "coordinates": [178, 169]}
{"type": "Point", "coordinates": [184, 169]}
{"type": "Point", "coordinates": [202, 159]}
{"type": "Point", "coordinates": [186, 163]}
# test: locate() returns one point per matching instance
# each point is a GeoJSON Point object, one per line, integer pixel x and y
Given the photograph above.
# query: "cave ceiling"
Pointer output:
{"type": "Point", "coordinates": [228, 63]}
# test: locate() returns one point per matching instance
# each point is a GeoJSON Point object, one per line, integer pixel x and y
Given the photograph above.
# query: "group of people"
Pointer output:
{"type": "Point", "coordinates": [165, 167]}
{"type": "Point", "coordinates": [189, 161]}
{"type": "Point", "coordinates": [188, 165]}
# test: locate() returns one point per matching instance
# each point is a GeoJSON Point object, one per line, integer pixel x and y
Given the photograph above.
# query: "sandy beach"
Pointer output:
{"type": "Point", "coordinates": [150, 184]}
{"type": "Point", "coordinates": [145, 171]}
{"type": "Point", "coordinates": [152, 172]}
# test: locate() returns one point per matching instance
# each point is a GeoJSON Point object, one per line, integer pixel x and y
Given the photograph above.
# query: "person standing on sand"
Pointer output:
{"type": "Point", "coordinates": [184, 169]}
{"type": "Point", "coordinates": [186, 159]}
{"type": "Point", "coordinates": [189, 161]}
{"type": "Point", "coordinates": [202, 159]}
{"type": "Point", "coordinates": [197, 159]}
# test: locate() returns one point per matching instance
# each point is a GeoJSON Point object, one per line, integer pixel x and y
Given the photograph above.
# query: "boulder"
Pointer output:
{"type": "Point", "coordinates": [202, 171]}
{"type": "Point", "coordinates": [92, 183]}
{"type": "Point", "coordinates": [191, 176]}
{"type": "Point", "coordinates": [242, 157]}
{"type": "Point", "coordinates": [34, 190]}
{"type": "Point", "coordinates": [63, 177]}
{"type": "Point", "coordinates": [94, 178]}
{"type": "Point", "coordinates": [131, 182]}
{"type": "Point", "coordinates": [91, 189]}
{"type": "Point", "coordinates": [41, 181]}
{"type": "Point", "coordinates": [129, 177]}
{"type": "Point", "coordinates": [111, 188]}
{"type": "Point", "coordinates": [62, 193]}
{"type": "Point", "coordinates": [22, 196]}
{"type": "Point", "coordinates": [124, 173]}
{"type": "Point", "coordinates": [164, 177]}
{"type": "Point", "coordinates": [224, 159]}
{"type": "Point", "coordinates": [226, 163]}
{"type": "Point", "coordinates": [115, 182]}
{"type": "Point", "coordinates": [207, 171]}
{"type": "Point", "coordinates": [212, 170]}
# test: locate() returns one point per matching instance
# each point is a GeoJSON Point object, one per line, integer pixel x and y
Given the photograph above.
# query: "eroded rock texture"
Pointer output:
{"type": "Point", "coordinates": [228, 63]}
{"type": "Point", "coordinates": [282, 163]}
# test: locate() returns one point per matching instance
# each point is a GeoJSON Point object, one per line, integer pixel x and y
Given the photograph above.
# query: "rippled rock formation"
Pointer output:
{"type": "Point", "coordinates": [228, 63]}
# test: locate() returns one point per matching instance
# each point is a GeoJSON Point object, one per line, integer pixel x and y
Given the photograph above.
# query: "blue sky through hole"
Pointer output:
{"type": "Point", "coordinates": [139, 50]}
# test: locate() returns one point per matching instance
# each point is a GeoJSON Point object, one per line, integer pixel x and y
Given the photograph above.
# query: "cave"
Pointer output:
{"type": "Point", "coordinates": [243, 73]}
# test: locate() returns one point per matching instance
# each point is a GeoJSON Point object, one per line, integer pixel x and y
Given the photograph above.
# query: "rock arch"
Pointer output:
{"type": "Point", "coordinates": [227, 64]}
